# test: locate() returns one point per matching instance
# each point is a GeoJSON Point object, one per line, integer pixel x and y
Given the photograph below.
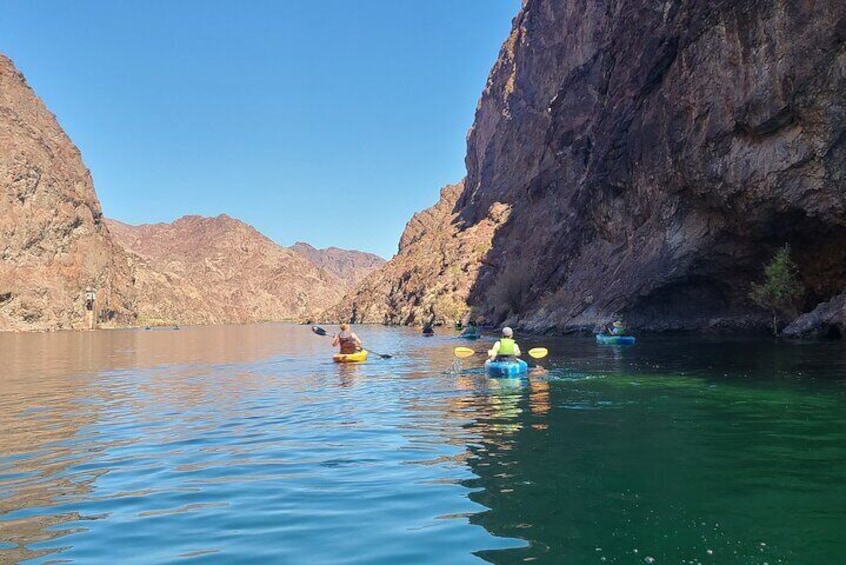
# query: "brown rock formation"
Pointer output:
{"type": "Point", "coordinates": [220, 270]}
{"type": "Point", "coordinates": [431, 275]}
{"type": "Point", "coordinates": [828, 320]}
{"type": "Point", "coordinates": [349, 266]}
{"type": "Point", "coordinates": [53, 243]}
{"type": "Point", "coordinates": [665, 153]}
{"type": "Point", "coordinates": [653, 155]}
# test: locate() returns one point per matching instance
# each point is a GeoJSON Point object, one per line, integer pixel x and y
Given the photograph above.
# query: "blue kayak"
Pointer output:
{"type": "Point", "coordinates": [469, 336]}
{"type": "Point", "coordinates": [615, 339]}
{"type": "Point", "coordinates": [506, 368]}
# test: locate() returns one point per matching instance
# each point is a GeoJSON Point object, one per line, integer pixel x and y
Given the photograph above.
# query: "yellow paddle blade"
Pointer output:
{"type": "Point", "coordinates": [464, 352]}
{"type": "Point", "coordinates": [539, 352]}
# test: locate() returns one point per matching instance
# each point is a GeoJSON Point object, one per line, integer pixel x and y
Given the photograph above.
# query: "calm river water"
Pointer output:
{"type": "Point", "coordinates": [247, 444]}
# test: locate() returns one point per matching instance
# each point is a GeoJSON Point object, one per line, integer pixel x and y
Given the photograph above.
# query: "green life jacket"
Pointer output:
{"type": "Point", "coordinates": [506, 346]}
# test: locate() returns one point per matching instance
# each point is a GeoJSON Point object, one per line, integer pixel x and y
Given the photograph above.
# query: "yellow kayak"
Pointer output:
{"type": "Point", "coordinates": [358, 356]}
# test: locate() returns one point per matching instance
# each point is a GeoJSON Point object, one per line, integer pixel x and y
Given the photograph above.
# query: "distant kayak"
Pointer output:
{"type": "Point", "coordinates": [357, 357]}
{"type": "Point", "coordinates": [470, 336]}
{"type": "Point", "coordinates": [499, 369]}
{"type": "Point", "coordinates": [615, 339]}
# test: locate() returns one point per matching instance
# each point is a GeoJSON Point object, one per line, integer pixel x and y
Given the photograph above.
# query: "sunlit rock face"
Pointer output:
{"type": "Point", "coordinates": [652, 157]}
{"type": "Point", "coordinates": [430, 277]}
{"type": "Point", "coordinates": [220, 270]}
{"type": "Point", "coordinates": [348, 265]}
{"type": "Point", "coordinates": [53, 242]}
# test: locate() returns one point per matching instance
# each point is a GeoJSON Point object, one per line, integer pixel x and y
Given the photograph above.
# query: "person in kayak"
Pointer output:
{"type": "Point", "coordinates": [470, 330]}
{"type": "Point", "coordinates": [427, 329]}
{"type": "Point", "coordinates": [347, 339]}
{"type": "Point", "coordinates": [506, 349]}
{"type": "Point", "coordinates": [618, 328]}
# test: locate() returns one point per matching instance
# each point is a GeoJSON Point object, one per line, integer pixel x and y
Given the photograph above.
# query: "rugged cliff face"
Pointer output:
{"type": "Point", "coordinates": [220, 270]}
{"type": "Point", "coordinates": [350, 267]}
{"type": "Point", "coordinates": [53, 243]}
{"type": "Point", "coordinates": [656, 154]}
{"type": "Point", "coordinates": [430, 277]}
{"type": "Point", "coordinates": [653, 155]}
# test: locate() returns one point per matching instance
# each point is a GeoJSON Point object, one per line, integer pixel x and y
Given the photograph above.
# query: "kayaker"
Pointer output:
{"type": "Point", "coordinates": [470, 329]}
{"type": "Point", "coordinates": [506, 349]}
{"type": "Point", "coordinates": [618, 328]}
{"type": "Point", "coordinates": [427, 330]}
{"type": "Point", "coordinates": [347, 339]}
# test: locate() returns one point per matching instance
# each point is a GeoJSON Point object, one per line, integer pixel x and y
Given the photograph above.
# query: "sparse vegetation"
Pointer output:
{"type": "Point", "coordinates": [781, 287]}
{"type": "Point", "coordinates": [512, 286]}
{"type": "Point", "coordinates": [450, 307]}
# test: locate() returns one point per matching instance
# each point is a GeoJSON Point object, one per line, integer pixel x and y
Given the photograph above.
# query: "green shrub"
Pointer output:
{"type": "Point", "coordinates": [781, 287]}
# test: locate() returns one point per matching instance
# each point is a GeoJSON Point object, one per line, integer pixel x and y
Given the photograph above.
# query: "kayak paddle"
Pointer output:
{"type": "Point", "coordinates": [465, 352]}
{"type": "Point", "coordinates": [320, 331]}
{"type": "Point", "coordinates": [538, 352]}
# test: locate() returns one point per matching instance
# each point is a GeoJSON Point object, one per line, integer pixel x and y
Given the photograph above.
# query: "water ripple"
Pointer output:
{"type": "Point", "coordinates": [140, 448]}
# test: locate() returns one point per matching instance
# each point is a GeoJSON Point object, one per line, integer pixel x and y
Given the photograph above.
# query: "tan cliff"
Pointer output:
{"type": "Point", "coordinates": [430, 277]}
{"type": "Point", "coordinates": [348, 265]}
{"type": "Point", "coordinates": [200, 270]}
{"type": "Point", "coordinates": [53, 242]}
{"type": "Point", "coordinates": [652, 157]}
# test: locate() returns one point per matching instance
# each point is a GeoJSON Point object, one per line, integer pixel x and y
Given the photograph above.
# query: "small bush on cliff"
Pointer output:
{"type": "Point", "coordinates": [781, 287]}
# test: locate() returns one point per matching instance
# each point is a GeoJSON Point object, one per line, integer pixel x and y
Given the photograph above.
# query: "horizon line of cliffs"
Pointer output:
{"type": "Point", "coordinates": [627, 159]}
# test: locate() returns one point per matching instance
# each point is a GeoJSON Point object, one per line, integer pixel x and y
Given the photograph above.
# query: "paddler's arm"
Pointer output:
{"type": "Point", "coordinates": [493, 350]}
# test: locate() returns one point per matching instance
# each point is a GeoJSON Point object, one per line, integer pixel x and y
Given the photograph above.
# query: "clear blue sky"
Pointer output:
{"type": "Point", "coordinates": [325, 121]}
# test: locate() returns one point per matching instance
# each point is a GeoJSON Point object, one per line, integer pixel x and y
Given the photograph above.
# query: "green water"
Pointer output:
{"type": "Point", "coordinates": [247, 444]}
{"type": "Point", "coordinates": [673, 451]}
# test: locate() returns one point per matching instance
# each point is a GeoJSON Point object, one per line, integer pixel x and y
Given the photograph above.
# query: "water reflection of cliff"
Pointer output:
{"type": "Point", "coordinates": [44, 412]}
{"type": "Point", "coordinates": [59, 389]}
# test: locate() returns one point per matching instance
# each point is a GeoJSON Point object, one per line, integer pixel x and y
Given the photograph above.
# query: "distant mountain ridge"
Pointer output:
{"type": "Point", "coordinates": [349, 266]}
{"type": "Point", "coordinates": [200, 270]}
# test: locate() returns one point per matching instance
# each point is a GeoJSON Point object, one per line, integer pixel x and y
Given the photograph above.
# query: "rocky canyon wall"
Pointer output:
{"type": "Point", "coordinates": [652, 156]}
{"type": "Point", "coordinates": [219, 270]}
{"type": "Point", "coordinates": [53, 242]}
{"type": "Point", "coordinates": [430, 277]}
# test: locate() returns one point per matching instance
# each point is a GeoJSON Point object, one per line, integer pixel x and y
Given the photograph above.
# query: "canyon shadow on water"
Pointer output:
{"type": "Point", "coordinates": [247, 444]}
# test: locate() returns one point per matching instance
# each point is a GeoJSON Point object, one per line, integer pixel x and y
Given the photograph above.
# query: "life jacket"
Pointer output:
{"type": "Point", "coordinates": [506, 347]}
{"type": "Point", "coordinates": [347, 343]}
